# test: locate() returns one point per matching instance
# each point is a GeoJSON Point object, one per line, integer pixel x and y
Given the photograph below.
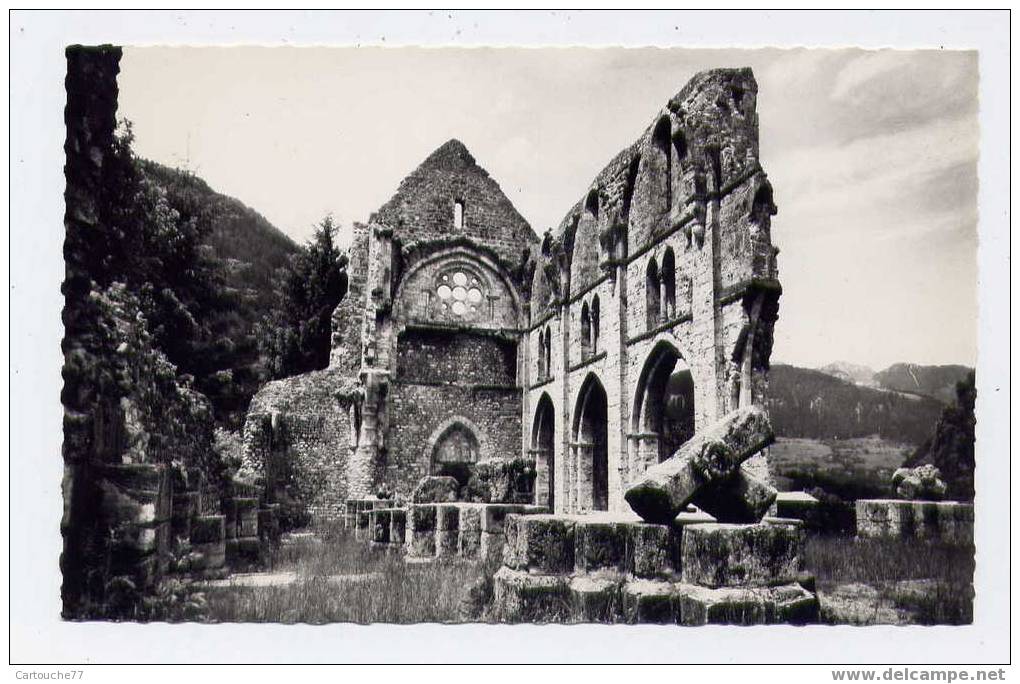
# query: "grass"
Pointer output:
{"type": "Point", "coordinates": [339, 579]}
{"type": "Point", "coordinates": [343, 580]}
{"type": "Point", "coordinates": [855, 468]}
{"type": "Point", "coordinates": [904, 580]}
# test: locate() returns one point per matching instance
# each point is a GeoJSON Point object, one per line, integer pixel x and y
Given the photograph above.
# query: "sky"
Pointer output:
{"type": "Point", "coordinates": [872, 155]}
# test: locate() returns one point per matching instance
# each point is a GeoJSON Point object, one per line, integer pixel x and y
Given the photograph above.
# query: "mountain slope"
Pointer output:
{"type": "Point", "coordinates": [813, 404]}
{"type": "Point", "coordinates": [246, 251]}
{"type": "Point", "coordinates": [851, 372]}
{"type": "Point", "coordinates": [938, 382]}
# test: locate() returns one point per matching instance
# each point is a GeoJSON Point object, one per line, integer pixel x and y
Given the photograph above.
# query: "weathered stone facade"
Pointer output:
{"type": "Point", "coordinates": [597, 351]}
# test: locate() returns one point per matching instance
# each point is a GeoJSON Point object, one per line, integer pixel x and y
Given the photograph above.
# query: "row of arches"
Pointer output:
{"type": "Point", "coordinates": [661, 421]}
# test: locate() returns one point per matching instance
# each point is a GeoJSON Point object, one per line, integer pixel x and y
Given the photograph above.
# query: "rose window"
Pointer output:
{"type": "Point", "coordinates": [459, 293]}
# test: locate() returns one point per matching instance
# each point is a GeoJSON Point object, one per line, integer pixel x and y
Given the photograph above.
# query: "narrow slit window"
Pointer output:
{"type": "Point", "coordinates": [458, 214]}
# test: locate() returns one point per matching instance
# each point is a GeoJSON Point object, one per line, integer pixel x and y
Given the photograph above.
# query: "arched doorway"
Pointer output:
{"type": "Point", "coordinates": [544, 449]}
{"type": "Point", "coordinates": [664, 406]}
{"type": "Point", "coordinates": [592, 445]}
{"type": "Point", "coordinates": [455, 452]}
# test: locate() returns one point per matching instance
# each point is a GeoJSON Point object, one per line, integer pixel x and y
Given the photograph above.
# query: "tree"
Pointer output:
{"type": "Point", "coordinates": [296, 336]}
{"type": "Point", "coordinates": [951, 446]}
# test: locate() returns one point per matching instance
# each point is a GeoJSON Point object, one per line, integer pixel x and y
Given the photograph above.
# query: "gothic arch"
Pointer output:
{"type": "Point", "coordinates": [543, 446]}
{"type": "Point", "coordinates": [452, 423]}
{"type": "Point", "coordinates": [664, 412]}
{"type": "Point", "coordinates": [591, 443]}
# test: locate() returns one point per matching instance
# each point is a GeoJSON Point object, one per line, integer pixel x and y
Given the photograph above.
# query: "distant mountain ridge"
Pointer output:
{"type": "Point", "coordinates": [851, 372]}
{"type": "Point", "coordinates": [805, 403]}
{"type": "Point", "coordinates": [931, 381]}
{"type": "Point", "coordinates": [937, 382]}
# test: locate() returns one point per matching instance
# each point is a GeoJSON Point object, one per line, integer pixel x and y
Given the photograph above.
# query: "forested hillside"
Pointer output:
{"type": "Point", "coordinates": [239, 255]}
{"type": "Point", "coordinates": [814, 404]}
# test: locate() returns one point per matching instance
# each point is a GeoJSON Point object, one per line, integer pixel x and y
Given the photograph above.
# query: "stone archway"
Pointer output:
{"type": "Point", "coordinates": [455, 450]}
{"type": "Point", "coordinates": [663, 417]}
{"type": "Point", "coordinates": [591, 446]}
{"type": "Point", "coordinates": [543, 447]}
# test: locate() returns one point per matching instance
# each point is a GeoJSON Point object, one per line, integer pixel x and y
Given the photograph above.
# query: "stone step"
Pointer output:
{"type": "Point", "coordinates": [520, 596]}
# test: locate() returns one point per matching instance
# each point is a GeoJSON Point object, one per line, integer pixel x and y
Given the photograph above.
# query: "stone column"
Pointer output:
{"type": "Point", "coordinates": [585, 463]}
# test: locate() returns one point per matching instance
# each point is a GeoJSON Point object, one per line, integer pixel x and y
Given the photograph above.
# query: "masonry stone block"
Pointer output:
{"type": "Point", "coordinates": [648, 602]}
{"type": "Point", "coordinates": [655, 550]}
{"type": "Point", "coordinates": [470, 531]}
{"type": "Point", "coordinates": [944, 521]}
{"type": "Point", "coordinates": [788, 604]}
{"type": "Point", "coordinates": [726, 555]}
{"type": "Point", "coordinates": [595, 599]}
{"type": "Point", "coordinates": [539, 543]}
{"type": "Point", "coordinates": [519, 596]}
{"type": "Point", "coordinates": [601, 546]}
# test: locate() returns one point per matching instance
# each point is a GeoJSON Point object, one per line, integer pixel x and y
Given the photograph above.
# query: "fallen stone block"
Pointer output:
{"type": "Point", "coordinates": [726, 555]}
{"type": "Point", "coordinates": [519, 596]}
{"type": "Point", "coordinates": [435, 489]}
{"type": "Point", "coordinates": [595, 599]}
{"type": "Point", "coordinates": [924, 483]}
{"type": "Point", "coordinates": [737, 498]}
{"type": "Point", "coordinates": [539, 543]}
{"type": "Point", "coordinates": [648, 602]}
{"type": "Point", "coordinates": [667, 488]}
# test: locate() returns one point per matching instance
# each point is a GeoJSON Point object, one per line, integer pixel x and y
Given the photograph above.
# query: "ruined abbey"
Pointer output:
{"type": "Point", "coordinates": [589, 353]}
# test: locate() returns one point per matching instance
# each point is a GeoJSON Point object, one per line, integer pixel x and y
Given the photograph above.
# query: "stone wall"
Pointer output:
{"type": "Point", "coordinates": [299, 436]}
{"type": "Point", "coordinates": [673, 240]}
{"type": "Point", "coordinates": [949, 522]}
{"type": "Point", "coordinates": [442, 357]}
{"type": "Point", "coordinates": [137, 438]}
{"type": "Point", "coordinates": [459, 318]}
{"type": "Point", "coordinates": [424, 204]}
{"type": "Point", "coordinates": [428, 412]}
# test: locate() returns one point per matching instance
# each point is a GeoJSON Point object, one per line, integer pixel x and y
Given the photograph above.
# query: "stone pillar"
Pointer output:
{"type": "Point", "coordinates": [585, 467]}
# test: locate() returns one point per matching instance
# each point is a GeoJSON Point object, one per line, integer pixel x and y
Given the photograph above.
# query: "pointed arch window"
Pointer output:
{"type": "Point", "coordinates": [548, 351]}
{"type": "Point", "coordinates": [585, 331]}
{"type": "Point", "coordinates": [652, 285]}
{"type": "Point", "coordinates": [595, 330]}
{"type": "Point", "coordinates": [668, 284]}
{"type": "Point", "coordinates": [542, 371]}
{"type": "Point", "coordinates": [662, 146]}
